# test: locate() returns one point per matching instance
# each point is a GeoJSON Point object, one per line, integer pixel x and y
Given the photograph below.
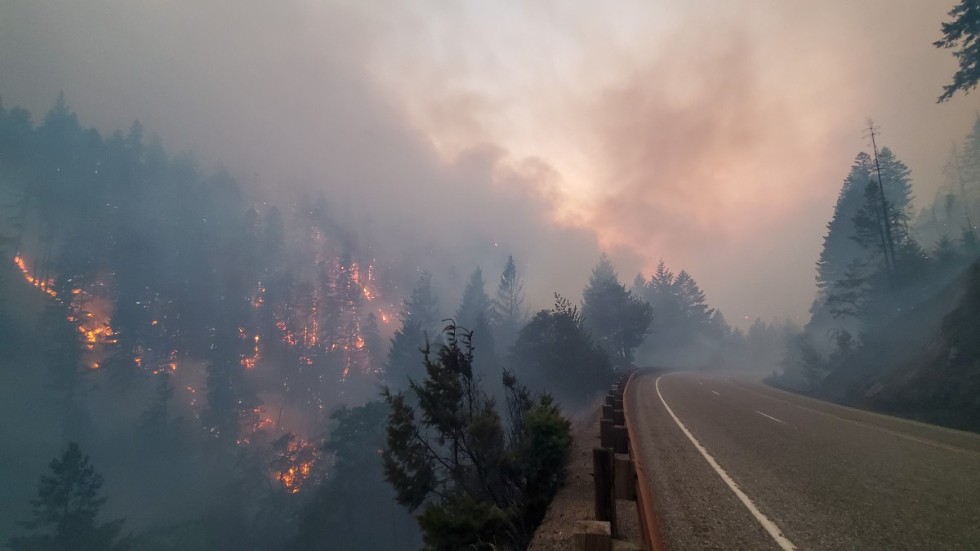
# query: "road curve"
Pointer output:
{"type": "Point", "coordinates": [739, 465]}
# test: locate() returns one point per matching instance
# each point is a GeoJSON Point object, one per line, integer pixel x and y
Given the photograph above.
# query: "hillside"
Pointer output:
{"type": "Point", "coordinates": [923, 365]}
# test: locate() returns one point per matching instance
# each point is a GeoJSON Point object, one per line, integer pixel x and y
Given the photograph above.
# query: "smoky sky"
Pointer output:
{"type": "Point", "coordinates": [709, 134]}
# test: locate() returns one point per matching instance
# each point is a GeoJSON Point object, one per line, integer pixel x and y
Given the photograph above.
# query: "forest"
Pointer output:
{"type": "Point", "coordinates": [892, 325]}
{"type": "Point", "coordinates": [200, 357]}
{"type": "Point", "coordinates": [212, 366]}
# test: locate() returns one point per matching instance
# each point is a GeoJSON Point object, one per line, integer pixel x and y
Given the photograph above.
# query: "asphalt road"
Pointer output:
{"type": "Point", "coordinates": [811, 475]}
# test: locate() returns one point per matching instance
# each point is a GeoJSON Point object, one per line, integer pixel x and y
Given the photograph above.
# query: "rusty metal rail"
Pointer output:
{"type": "Point", "coordinates": [649, 524]}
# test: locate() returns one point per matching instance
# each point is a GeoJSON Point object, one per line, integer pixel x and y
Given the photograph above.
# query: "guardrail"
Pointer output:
{"type": "Point", "coordinates": [649, 526]}
{"type": "Point", "coordinates": [620, 475]}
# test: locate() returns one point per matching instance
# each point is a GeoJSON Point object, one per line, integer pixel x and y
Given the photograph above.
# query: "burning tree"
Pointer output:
{"type": "Point", "coordinates": [345, 509]}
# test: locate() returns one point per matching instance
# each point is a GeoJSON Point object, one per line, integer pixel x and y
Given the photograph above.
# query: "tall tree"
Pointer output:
{"type": "Point", "coordinates": [508, 306]}
{"type": "Point", "coordinates": [419, 318]}
{"type": "Point", "coordinates": [66, 510]}
{"type": "Point", "coordinates": [475, 313]}
{"type": "Point", "coordinates": [839, 248]}
{"type": "Point", "coordinates": [858, 280]}
{"type": "Point", "coordinates": [231, 402]}
{"type": "Point", "coordinates": [618, 321]}
{"type": "Point", "coordinates": [478, 485]}
{"type": "Point", "coordinates": [355, 509]}
{"type": "Point", "coordinates": [67, 375]}
{"type": "Point", "coordinates": [961, 33]}
{"type": "Point", "coordinates": [554, 351]}
{"type": "Point", "coordinates": [684, 328]}
{"type": "Point", "coordinates": [475, 302]}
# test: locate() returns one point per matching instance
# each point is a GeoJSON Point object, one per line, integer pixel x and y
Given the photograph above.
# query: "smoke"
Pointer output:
{"type": "Point", "coordinates": [712, 135]}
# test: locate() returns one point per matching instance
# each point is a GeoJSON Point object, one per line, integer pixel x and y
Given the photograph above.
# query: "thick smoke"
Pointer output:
{"type": "Point", "coordinates": [711, 135]}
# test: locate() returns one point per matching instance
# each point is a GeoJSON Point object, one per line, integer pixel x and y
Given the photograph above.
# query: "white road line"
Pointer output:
{"type": "Point", "coordinates": [767, 524]}
{"type": "Point", "coordinates": [716, 393]}
{"type": "Point", "coordinates": [770, 417]}
{"type": "Point", "coordinates": [869, 426]}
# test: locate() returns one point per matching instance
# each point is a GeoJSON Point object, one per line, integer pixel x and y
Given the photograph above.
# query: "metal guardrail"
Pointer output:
{"type": "Point", "coordinates": [649, 525]}
{"type": "Point", "coordinates": [619, 474]}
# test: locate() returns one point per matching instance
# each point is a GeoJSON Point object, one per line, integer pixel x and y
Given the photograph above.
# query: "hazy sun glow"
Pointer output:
{"type": "Point", "coordinates": [706, 133]}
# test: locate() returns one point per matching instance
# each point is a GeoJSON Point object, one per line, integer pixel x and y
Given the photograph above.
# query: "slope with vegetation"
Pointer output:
{"type": "Point", "coordinates": [893, 325]}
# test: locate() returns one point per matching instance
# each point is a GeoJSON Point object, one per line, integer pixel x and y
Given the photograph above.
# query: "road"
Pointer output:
{"type": "Point", "coordinates": [739, 465]}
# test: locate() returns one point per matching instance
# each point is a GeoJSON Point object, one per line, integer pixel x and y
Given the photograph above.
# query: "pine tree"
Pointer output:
{"type": "Point", "coordinates": [475, 314]}
{"type": "Point", "coordinates": [231, 403]}
{"type": "Point", "coordinates": [418, 318]}
{"type": "Point", "coordinates": [693, 304]}
{"type": "Point", "coordinates": [345, 510]}
{"type": "Point", "coordinates": [448, 453]}
{"type": "Point", "coordinates": [475, 302]}
{"type": "Point", "coordinates": [968, 180]}
{"type": "Point", "coordinates": [839, 248]}
{"type": "Point", "coordinates": [868, 251]}
{"type": "Point", "coordinates": [962, 33]}
{"type": "Point", "coordinates": [683, 324]}
{"type": "Point", "coordinates": [373, 342]}
{"type": "Point", "coordinates": [66, 510]}
{"type": "Point", "coordinates": [555, 351]}
{"type": "Point", "coordinates": [63, 355]}
{"type": "Point", "coordinates": [508, 306]}
{"type": "Point", "coordinates": [619, 322]}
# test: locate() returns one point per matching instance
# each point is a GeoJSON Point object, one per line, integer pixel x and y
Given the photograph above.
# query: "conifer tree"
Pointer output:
{"type": "Point", "coordinates": [477, 485]}
{"type": "Point", "coordinates": [618, 321]}
{"type": "Point", "coordinates": [66, 510]}
{"type": "Point", "coordinates": [508, 306]}
{"type": "Point", "coordinates": [555, 351]}
{"type": "Point", "coordinates": [418, 318]}
{"type": "Point", "coordinates": [839, 248]}
{"type": "Point", "coordinates": [475, 314]}
{"type": "Point", "coordinates": [962, 33]}
{"type": "Point", "coordinates": [475, 302]}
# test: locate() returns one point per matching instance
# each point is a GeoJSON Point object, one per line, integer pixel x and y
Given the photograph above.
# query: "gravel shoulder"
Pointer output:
{"type": "Point", "coordinates": [575, 501]}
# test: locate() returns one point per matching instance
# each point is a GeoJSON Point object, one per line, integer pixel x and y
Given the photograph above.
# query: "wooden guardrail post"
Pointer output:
{"type": "Point", "coordinates": [607, 412]}
{"type": "Point", "coordinates": [621, 439]}
{"type": "Point", "coordinates": [606, 433]}
{"type": "Point", "coordinates": [624, 477]}
{"type": "Point", "coordinates": [592, 535]}
{"type": "Point", "coordinates": [603, 468]}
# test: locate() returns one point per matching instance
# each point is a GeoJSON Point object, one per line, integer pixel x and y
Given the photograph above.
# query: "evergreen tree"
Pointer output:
{"type": "Point", "coordinates": [962, 33]}
{"type": "Point", "coordinates": [692, 300]}
{"type": "Point", "coordinates": [554, 351]}
{"type": "Point", "coordinates": [67, 376]}
{"type": "Point", "coordinates": [508, 306]}
{"type": "Point", "coordinates": [156, 418]}
{"type": "Point", "coordinates": [684, 327]}
{"type": "Point", "coordinates": [475, 302]}
{"type": "Point", "coordinates": [478, 485]}
{"type": "Point", "coordinates": [418, 319]}
{"type": "Point", "coordinates": [862, 283]}
{"type": "Point", "coordinates": [617, 320]}
{"type": "Point", "coordinates": [355, 509]}
{"type": "Point", "coordinates": [66, 510]}
{"type": "Point", "coordinates": [373, 342]}
{"type": "Point", "coordinates": [475, 313]}
{"type": "Point", "coordinates": [968, 182]}
{"type": "Point", "coordinates": [231, 403]}
{"type": "Point", "coordinates": [839, 248]}
{"type": "Point", "coordinates": [639, 288]}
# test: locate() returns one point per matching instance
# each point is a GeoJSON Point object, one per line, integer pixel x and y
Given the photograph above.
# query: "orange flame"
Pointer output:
{"type": "Point", "coordinates": [43, 285]}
